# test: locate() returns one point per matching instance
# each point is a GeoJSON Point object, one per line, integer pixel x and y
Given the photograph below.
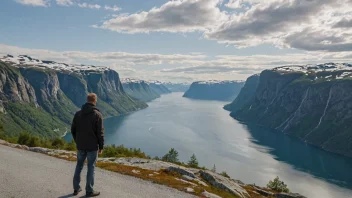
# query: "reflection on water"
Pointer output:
{"type": "Point", "coordinates": [324, 165]}
{"type": "Point", "coordinates": [249, 153]}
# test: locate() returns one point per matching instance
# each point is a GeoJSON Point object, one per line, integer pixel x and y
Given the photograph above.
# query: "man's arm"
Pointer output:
{"type": "Point", "coordinates": [73, 127]}
{"type": "Point", "coordinates": [100, 132]}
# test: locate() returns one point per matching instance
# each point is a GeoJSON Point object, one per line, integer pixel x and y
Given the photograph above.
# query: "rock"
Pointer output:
{"type": "Point", "coordinates": [189, 190]}
{"type": "Point", "coordinates": [188, 178]}
{"type": "Point", "coordinates": [136, 171]}
{"type": "Point", "coordinates": [110, 159]}
{"type": "Point", "coordinates": [24, 147]}
{"type": "Point", "coordinates": [40, 150]}
{"type": "Point", "coordinates": [154, 165]}
{"type": "Point", "coordinates": [209, 195]}
{"type": "Point", "coordinates": [263, 192]}
{"type": "Point", "coordinates": [201, 182]}
{"type": "Point", "coordinates": [151, 175]}
{"type": "Point", "coordinates": [187, 182]}
{"type": "Point", "coordinates": [224, 183]}
{"type": "Point", "coordinates": [182, 171]}
{"type": "Point", "coordinates": [3, 142]}
{"type": "Point", "coordinates": [289, 195]}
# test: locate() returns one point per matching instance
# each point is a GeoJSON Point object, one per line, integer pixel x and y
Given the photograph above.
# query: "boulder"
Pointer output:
{"type": "Point", "coordinates": [263, 192]}
{"type": "Point", "coordinates": [188, 178]}
{"type": "Point", "coordinates": [3, 142]}
{"type": "Point", "coordinates": [40, 150]}
{"type": "Point", "coordinates": [224, 183]}
{"type": "Point", "coordinates": [189, 190]}
{"type": "Point", "coordinates": [182, 171]}
{"type": "Point", "coordinates": [209, 195]}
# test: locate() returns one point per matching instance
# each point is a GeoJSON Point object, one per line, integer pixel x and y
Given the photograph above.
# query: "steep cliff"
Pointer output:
{"type": "Point", "coordinates": [313, 103]}
{"type": "Point", "coordinates": [41, 96]}
{"type": "Point", "coordinates": [214, 90]}
{"type": "Point", "coordinates": [246, 94]}
{"type": "Point", "coordinates": [139, 90]}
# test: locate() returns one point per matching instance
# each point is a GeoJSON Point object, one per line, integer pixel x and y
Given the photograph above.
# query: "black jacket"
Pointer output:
{"type": "Point", "coordinates": [87, 128]}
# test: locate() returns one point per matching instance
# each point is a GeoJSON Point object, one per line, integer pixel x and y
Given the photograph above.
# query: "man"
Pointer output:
{"type": "Point", "coordinates": [88, 132]}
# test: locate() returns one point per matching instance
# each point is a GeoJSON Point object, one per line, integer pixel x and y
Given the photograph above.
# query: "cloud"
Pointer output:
{"type": "Point", "coordinates": [42, 3]}
{"type": "Point", "coordinates": [173, 16]}
{"type": "Point", "coordinates": [276, 22]}
{"type": "Point", "coordinates": [112, 8]}
{"type": "Point", "coordinates": [194, 66]}
{"type": "Point", "coordinates": [300, 24]}
{"type": "Point", "coordinates": [344, 23]}
{"type": "Point", "coordinates": [64, 2]}
{"type": "Point", "coordinates": [91, 6]}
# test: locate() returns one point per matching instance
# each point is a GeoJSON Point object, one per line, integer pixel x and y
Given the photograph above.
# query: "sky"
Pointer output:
{"type": "Point", "coordinates": [179, 40]}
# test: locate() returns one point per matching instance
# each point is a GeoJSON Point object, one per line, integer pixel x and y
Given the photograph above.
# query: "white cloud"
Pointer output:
{"type": "Point", "coordinates": [42, 3]}
{"type": "Point", "coordinates": [173, 16]}
{"type": "Point", "coordinates": [311, 25]}
{"type": "Point", "coordinates": [195, 66]}
{"type": "Point", "coordinates": [112, 8]}
{"type": "Point", "coordinates": [91, 6]}
{"type": "Point", "coordinates": [64, 2]}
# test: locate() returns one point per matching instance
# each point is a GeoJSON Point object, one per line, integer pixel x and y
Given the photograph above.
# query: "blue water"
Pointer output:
{"type": "Point", "coordinates": [248, 153]}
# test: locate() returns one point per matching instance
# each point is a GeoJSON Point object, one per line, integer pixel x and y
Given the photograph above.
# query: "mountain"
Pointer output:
{"type": "Point", "coordinates": [246, 94]}
{"type": "Point", "coordinates": [177, 87]}
{"type": "Point", "coordinates": [41, 96]}
{"type": "Point", "coordinates": [158, 87]}
{"type": "Point", "coordinates": [139, 89]}
{"type": "Point", "coordinates": [311, 102]}
{"type": "Point", "coordinates": [214, 90]}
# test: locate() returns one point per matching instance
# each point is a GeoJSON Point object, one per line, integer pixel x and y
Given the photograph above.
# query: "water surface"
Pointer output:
{"type": "Point", "coordinates": [249, 153]}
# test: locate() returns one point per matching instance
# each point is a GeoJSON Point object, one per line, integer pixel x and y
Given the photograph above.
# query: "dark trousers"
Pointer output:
{"type": "Point", "coordinates": [92, 159]}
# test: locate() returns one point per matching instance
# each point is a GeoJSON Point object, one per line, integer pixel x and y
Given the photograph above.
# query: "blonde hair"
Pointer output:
{"type": "Point", "coordinates": [92, 98]}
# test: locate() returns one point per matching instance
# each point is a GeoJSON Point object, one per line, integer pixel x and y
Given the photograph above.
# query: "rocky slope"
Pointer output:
{"type": "Point", "coordinates": [139, 89]}
{"type": "Point", "coordinates": [214, 90]}
{"type": "Point", "coordinates": [312, 102]}
{"type": "Point", "coordinates": [41, 96]}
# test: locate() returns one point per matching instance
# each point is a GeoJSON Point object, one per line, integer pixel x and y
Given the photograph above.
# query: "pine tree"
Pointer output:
{"type": "Point", "coordinates": [171, 156]}
{"type": "Point", "coordinates": [193, 162]}
{"type": "Point", "coordinates": [213, 169]}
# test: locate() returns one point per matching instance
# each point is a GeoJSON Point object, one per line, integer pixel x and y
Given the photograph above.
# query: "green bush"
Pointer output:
{"type": "Point", "coordinates": [223, 173]}
{"type": "Point", "coordinates": [193, 162]}
{"type": "Point", "coordinates": [171, 156]}
{"type": "Point", "coordinates": [278, 185]}
{"type": "Point", "coordinates": [121, 151]}
{"type": "Point", "coordinates": [58, 143]}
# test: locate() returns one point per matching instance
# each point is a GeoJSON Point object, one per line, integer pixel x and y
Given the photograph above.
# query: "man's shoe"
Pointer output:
{"type": "Point", "coordinates": [75, 192]}
{"type": "Point", "coordinates": [93, 194]}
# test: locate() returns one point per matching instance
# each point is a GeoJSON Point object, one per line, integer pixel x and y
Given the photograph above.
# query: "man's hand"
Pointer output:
{"type": "Point", "coordinates": [100, 151]}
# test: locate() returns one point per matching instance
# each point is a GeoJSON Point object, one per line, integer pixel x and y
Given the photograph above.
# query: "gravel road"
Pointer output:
{"type": "Point", "coordinates": [33, 175]}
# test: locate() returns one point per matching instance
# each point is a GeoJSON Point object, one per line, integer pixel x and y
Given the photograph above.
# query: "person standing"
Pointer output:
{"type": "Point", "coordinates": [88, 132]}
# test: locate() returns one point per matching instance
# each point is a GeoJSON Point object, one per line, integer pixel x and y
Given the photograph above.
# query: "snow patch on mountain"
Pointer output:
{"type": "Point", "coordinates": [27, 61]}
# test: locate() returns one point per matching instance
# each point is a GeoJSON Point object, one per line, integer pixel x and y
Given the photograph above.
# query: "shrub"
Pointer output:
{"type": "Point", "coordinates": [70, 146]}
{"type": "Point", "coordinates": [121, 151]}
{"type": "Point", "coordinates": [58, 143]}
{"type": "Point", "coordinates": [193, 162]}
{"type": "Point", "coordinates": [171, 156]}
{"type": "Point", "coordinates": [223, 173]}
{"type": "Point", "coordinates": [23, 139]}
{"type": "Point", "coordinates": [278, 185]}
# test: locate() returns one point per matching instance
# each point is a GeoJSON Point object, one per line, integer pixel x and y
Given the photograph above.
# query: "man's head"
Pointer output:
{"type": "Point", "coordinates": [92, 98]}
